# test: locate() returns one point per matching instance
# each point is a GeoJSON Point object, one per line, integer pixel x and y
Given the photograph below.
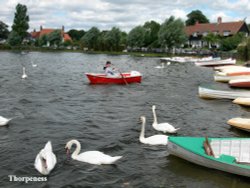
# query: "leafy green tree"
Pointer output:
{"type": "Point", "coordinates": [196, 16]}
{"type": "Point", "coordinates": [14, 39]}
{"type": "Point", "coordinates": [90, 39]}
{"type": "Point", "coordinates": [76, 34]}
{"type": "Point", "coordinates": [43, 40]}
{"type": "Point", "coordinates": [151, 35]}
{"type": "Point", "coordinates": [123, 41]}
{"type": "Point", "coordinates": [136, 37]}
{"type": "Point", "coordinates": [4, 32]}
{"type": "Point", "coordinates": [112, 39]}
{"type": "Point", "coordinates": [231, 43]}
{"type": "Point", "coordinates": [55, 37]}
{"type": "Point", "coordinates": [211, 39]}
{"type": "Point", "coordinates": [21, 21]}
{"type": "Point", "coordinates": [171, 33]}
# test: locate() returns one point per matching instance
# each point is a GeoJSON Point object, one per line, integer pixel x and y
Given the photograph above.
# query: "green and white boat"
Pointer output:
{"type": "Point", "coordinates": [226, 154]}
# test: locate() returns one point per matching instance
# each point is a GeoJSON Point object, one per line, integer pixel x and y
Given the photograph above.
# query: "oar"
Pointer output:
{"type": "Point", "coordinates": [123, 77]}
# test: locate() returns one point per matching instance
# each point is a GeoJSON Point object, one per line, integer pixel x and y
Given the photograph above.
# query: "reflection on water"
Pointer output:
{"type": "Point", "coordinates": [56, 103]}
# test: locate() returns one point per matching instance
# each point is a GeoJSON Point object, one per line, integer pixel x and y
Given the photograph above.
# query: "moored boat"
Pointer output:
{"type": "Point", "coordinates": [243, 82]}
{"type": "Point", "coordinates": [216, 62]}
{"type": "Point", "coordinates": [240, 123]}
{"type": "Point", "coordinates": [123, 78]}
{"type": "Point", "coordinates": [226, 154]}
{"type": "Point", "coordinates": [222, 77]}
{"type": "Point", "coordinates": [242, 101]}
{"type": "Point", "coordinates": [220, 94]}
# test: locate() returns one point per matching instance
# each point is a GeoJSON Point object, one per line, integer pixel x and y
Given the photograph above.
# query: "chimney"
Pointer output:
{"type": "Point", "coordinates": [63, 29]}
{"type": "Point", "coordinates": [219, 20]}
{"type": "Point", "coordinates": [41, 28]}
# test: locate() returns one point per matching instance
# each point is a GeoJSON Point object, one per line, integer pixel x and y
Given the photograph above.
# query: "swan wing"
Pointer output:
{"type": "Point", "coordinates": [157, 140]}
{"type": "Point", "coordinates": [4, 121]}
{"type": "Point", "coordinates": [96, 157]}
{"type": "Point", "coordinates": [165, 127]}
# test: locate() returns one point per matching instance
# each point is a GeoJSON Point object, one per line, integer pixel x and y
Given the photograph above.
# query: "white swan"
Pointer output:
{"type": "Point", "coordinates": [92, 157]}
{"type": "Point", "coordinates": [160, 67]}
{"type": "Point", "coordinates": [4, 121]}
{"type": "Point", "coordinates": [24, 74]}
{"type": "Point", "coordinates": [45, 160]}
{"type": "Point", "coordinates": [152, 140]}
{"type": "Point", "coordinates": [164, 127]}
{"type": "Point", "coordinates": [33, 65]}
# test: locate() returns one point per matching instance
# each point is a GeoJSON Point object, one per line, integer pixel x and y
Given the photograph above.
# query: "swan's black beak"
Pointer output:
{"type": "Point", "coordinates": [139, 121]}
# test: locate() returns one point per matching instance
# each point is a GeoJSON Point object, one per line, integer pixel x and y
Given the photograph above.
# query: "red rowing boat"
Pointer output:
{"type": "Point", "coordinates": [124, 78]}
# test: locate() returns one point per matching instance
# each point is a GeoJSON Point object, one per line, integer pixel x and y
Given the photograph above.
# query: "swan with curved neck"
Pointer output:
{"type": "Point", "coordinates": [92, 157]}
{"type": "Point", "coordinates": [164, 127]}
{"type": "Point", "coordinates": [152, 140]}
{"type": "Point", "coordinates": [24, 74]}
{"type": "Point", "coordinates": [45, 160]}
{"type": "Point", "coordinates": [4, 121]}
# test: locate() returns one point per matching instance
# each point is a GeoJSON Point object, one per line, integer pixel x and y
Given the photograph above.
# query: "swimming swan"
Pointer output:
{"type": "Point", "coordinates": [160, 67]}
{"type": "Point", "coordinates": [152, 140]}
{"type": "Point", "coordinates": [24, 74]}
{"type": "Point", "coordinates": [4, 121]}
{"type": "Point", "coordinates": [92, 157]}
{"type": "Point", "coordinates": [164, 127]}
{"type": "Point", "coordinates": [45, 160]}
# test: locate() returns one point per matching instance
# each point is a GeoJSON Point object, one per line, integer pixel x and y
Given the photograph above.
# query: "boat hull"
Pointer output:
{"type": "Point", "coordinates": [219, 94]}
{"type": "Point", "coordinates": [240, 83]}
{"type": "Point", "coordinates": [126, 78]}
{"type": "Point", "coordinates": [206, 160]}
{"type": "Point", "coordinates": [213, 63]}
{"type": "Point", "coordinates": [240, 123]}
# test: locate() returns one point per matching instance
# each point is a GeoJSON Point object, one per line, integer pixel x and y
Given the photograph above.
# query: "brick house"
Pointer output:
{"type": "Point", "coordinates": [223, 29]}
{"type": "Point", "coordinates": [37, 34]}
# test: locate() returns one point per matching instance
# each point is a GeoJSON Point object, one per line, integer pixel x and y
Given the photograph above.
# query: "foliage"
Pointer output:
{"type": "Point", "coordinates": [55, 37]}
{"type": "Point", "coordinates": [231, 43]}
{"type": "Point", "coordinates": [196, 16]}
{"type": "Point", "coordinates": [112, 39]}
{"type": "Point", "coordinates": [171, 33]}
{"type": "Point", "coordinates": [151, 35]}
{"type": "Point", "coordinates": [4, 32]}
{"type": "Point", "coordinates": [43, 40]}
{"type": "Point", "coordinates": [211, 39]}
{"type": "Point", "coordinates": [242, 52]}
{"type": "Point", "coordinates": [136, 37]}
{"type": "Point", "coordinates": [90, 39]}
{"type": "Point", "coordinates": [21, 21]}
{"type": "Point", "coordinates": [76, 34]}
{"type": "Point", "coordinates": [14, 39]}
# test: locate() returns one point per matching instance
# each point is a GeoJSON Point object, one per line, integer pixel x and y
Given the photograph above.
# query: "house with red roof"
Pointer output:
{"type": "Point", "coordinates": [196, 32]}
{"type": "Point", "coordinates": [37, 34]}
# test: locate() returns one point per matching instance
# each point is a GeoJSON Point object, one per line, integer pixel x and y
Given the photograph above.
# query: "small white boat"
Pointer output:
{"type": "Point", "coordinates": [216, 62]}
{"type": "Point", "coordinates": [220, 94]}
{"type": "Point", "coordinates": [240, 123]}
{"type": "Point", "coordinates": [226, 67]}
{"type": "Point", "coordinates": [222, 77]}
{"type": "Point", "coordinates": [242, 83]}
{"type": "Point", "coordinates": [242, 101]}
{"type": "Point", "coordinates": [230, 155]}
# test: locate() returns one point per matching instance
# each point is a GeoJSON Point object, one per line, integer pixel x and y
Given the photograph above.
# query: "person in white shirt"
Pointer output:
{"type": "Point", "coordinates": [110, 71]}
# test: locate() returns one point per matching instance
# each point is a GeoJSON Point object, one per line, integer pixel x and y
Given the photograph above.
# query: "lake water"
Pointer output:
{"type": "Point", "coordinates": [56, 103]}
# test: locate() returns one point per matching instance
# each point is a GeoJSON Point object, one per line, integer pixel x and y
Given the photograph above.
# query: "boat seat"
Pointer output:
{"type": "Point", "coordinates": [238, 148]}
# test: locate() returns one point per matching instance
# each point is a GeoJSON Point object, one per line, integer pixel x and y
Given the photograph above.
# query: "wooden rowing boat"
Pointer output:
{"type": "Point", "coordinates": [123, 78]}
{"type": "Point", "coordinates": [240, 123]}
{"type": "Point", "coordinates": [216, 62]}
{"type": "Point", "coordinates": [226, 154]}
{"type": "Point", "coordinates": [220, 94]}
{"type": "Point", "coordinates": [242, 101]}
{"type": "Point", "coordinates": [243, 82]}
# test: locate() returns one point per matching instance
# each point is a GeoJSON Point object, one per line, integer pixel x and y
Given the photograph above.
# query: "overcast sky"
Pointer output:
{"type": "Point", "coordinates": [125, 14]}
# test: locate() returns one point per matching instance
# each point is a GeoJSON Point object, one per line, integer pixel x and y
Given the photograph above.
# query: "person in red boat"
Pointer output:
{"type": "Point", "coordinates": [110, 70]}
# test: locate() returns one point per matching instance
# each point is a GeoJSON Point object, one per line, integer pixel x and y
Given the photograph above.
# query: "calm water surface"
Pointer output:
{"type": "Point", "coordinates": [56, 103]}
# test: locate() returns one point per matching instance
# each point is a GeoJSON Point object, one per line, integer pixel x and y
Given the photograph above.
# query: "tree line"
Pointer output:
{"type": "Point", "coordinates": [167, 35]}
